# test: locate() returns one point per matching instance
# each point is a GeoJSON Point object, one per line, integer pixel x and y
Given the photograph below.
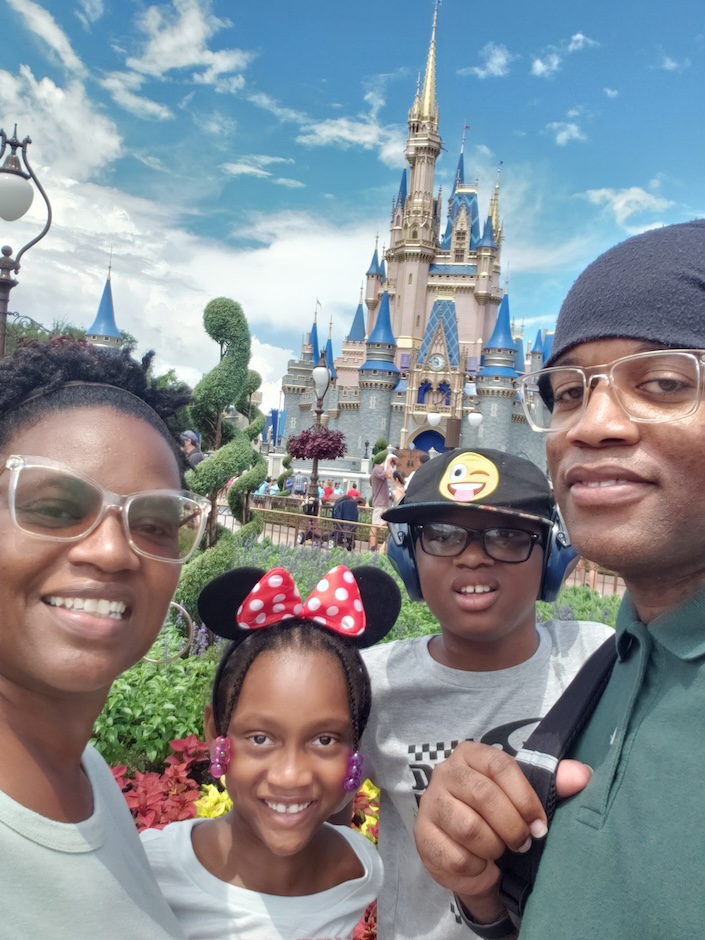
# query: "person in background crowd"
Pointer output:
{"type": "Point", "coordinates": [191, 448]}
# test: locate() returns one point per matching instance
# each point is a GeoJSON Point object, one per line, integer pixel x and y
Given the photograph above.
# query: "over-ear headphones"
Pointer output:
{"type": "Point", "coordinates": [559, 558]}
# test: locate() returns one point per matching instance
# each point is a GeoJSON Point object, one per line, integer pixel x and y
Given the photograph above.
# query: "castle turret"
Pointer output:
{"type": "Point", "coordinates": [379, 374]}
{"type": "Point", "coordinates": [103, 332]}
{"type": "Point", "coordinates": [496, 381]}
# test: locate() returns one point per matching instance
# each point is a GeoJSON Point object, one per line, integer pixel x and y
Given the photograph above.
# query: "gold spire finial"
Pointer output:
{"type": "Point", "coordinates": [494, 204]}
{"type": "Point", "coordinates": [428, 95]}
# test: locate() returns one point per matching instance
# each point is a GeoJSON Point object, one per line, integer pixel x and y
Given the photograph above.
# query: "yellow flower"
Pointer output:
{"type": "Point", "coordinates": [213, 802]}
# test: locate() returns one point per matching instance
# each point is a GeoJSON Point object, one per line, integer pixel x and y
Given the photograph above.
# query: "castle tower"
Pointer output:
{"type": "Point", "coordinates": [414, 234]}
{"type": "Point", "coordinates": [103, 332]}
{"type": "Point", "coordinates": [379, 374]}
{"type": "Point", "coordinates": [495, 382]}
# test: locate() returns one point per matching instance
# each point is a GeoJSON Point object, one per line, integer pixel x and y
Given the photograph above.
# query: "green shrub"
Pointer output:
{"type": "Point", "coordinates": [149, 706]}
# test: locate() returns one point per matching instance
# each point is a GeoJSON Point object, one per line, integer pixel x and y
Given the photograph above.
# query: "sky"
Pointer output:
{"type": "Point", "coordinates": [252, 150]}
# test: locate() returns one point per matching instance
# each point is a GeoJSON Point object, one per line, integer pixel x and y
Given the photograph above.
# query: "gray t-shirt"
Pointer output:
{"type": "Point", "coordinates": [420, 711]}
{"type": "Point", "coordinates": [79, 881]}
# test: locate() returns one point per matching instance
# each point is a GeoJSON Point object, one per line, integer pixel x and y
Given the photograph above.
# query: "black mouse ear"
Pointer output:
{"type": "Point", "coordinates": [220, 599]}
{"type": "Point", "coordinates": [381, 599]}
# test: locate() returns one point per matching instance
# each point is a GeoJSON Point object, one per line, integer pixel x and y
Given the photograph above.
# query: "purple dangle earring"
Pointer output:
{"type": "Point", "coordinates": [353, 775]}
{"type": "Point", "coordinates": [220, 756]}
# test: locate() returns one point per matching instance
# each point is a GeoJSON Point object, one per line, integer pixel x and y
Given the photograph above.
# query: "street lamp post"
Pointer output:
{"type": "Point", "coordinates": [321, 381]}
{"type": "Point", "coordinates": [16, 195]}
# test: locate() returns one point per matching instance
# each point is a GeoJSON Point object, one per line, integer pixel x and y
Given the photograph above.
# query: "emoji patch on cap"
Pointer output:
{"type": "Point", "coordinates": [469, 477]}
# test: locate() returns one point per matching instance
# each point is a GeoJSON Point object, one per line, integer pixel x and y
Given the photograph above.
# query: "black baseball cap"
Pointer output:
{"type": "Point", "coordinates": [476, 479]}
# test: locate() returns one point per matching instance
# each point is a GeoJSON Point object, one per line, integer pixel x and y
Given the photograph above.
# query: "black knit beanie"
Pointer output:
{"type": "Point", "coordinates": [651, 287]}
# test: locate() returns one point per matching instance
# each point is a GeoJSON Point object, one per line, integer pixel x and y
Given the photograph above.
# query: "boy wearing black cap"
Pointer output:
{"type": "Point", "coordinates": [475, 537]}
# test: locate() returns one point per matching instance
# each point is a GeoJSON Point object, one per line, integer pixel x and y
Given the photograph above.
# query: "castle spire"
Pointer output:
{"type": "Point", "coordinates": [425, 108]}
{"type": "Point", "coordinates": [103, 332]}
{"type": "Point", "coordinates": [494, 207]}
{"type": "Point", "coordinates": [428, 95]}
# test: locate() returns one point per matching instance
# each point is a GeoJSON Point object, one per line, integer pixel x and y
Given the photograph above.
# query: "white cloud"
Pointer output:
{"type": "Point", "coordinates": [288, 183]}
{"type": "Point", "coordinates": [245, 169]}
{"type": "Point", "coordinates": [256, 165]}
{"type": "Point", "coordinates": [89, 12]}
{"type": "Point", "coordinates": [550, 62]}
{"type": "Point", "coordinates": [666, 63]}
{"type": "Point", "coordinates": [546, 67]}
{"type": "Point", "coordinates": [565, 131]}
{"type": "Point", "coordinates": [610, 92]}
{"type": "Point", "coordinates": [177, 38]}
{"type": "Point", "coordinates": [580, 41]}
{"type": "Point", "coordinates": [122, 88]}
{"type": "Point", "coordinates": [496, 60]}
{"type": "Point", "coordinates": [42, 24]}
{"type": "Point", "coordinates": [625, 203]}
{"type": "Point", "coordinates": [364, 132]}
{"type": "Point", "coordinates": [62, 121]}
{"type": "Point", "coordinates": [163, 276]}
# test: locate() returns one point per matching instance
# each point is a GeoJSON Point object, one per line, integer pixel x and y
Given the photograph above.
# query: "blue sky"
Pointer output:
{"type": "Point", "coordinates": [253, 150]}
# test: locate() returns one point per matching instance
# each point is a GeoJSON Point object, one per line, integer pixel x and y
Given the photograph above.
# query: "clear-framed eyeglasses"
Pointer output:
{"type": "Point", "coordinates": [448, 540]}
{"type": "Point", "coordinates": [650, 387]}
{"type": "Point", "coordinates": [50, 501]}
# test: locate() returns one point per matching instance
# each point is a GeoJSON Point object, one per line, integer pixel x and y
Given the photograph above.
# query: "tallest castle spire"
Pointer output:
{"type": "Point", "coordinates": [425, 108]}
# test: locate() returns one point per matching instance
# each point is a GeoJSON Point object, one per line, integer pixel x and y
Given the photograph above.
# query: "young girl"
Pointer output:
{"type": "Point", "coordinates": [291, 700]}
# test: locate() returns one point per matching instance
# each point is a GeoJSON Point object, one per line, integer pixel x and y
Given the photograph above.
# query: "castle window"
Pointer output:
{"type": "Point", "coordinates": [415, 233]}
{"type": "Point", "coordinates": [411, 277]}
{"type": "Point", "coordinates": [459, 255]}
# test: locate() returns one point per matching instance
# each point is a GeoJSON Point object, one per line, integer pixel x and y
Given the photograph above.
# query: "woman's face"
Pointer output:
{"type": "Point", "coordinates": [46, 645]}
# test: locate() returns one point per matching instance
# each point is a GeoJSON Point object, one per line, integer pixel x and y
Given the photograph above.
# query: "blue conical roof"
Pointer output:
{"type": "Point", "coordinates": [487, 240]}
{"type": "Point", "coordinates": [373, 269]}
{"type": "Point", "coordinates": [329, 359]}
{"type": "Point", "coordinates": [403, 190]}
{"type": "Point", "coordinates": [460, 172]}
{"type": "Point", "coordinates": [104, 323]}
{"type": "Point", "coordinates": [547, 346]}
{"type": "Point", "coordinates": [357, 330]}
{"type": "Point", "coordinates": [382, 333]}
{"type": "Point", "coordinates": [502, 334]}
{"type": "Point", "coordinates": [538, 343]}
{"type": "Point", "coordinates": [313, 339]}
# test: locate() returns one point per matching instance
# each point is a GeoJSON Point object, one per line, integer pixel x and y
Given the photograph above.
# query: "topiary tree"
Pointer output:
{"type": "Point", "coordinates": [284, 475]}
{"type": "Point", "coordinates": [230, 384]}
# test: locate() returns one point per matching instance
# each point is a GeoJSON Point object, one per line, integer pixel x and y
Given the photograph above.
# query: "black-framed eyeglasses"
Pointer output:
{"type": "Point", "coordinates": [447, 540]}
{"type": "Point", "coordinates": [650, 387]}
{"type": "Point", "coordinates": [50, 501]}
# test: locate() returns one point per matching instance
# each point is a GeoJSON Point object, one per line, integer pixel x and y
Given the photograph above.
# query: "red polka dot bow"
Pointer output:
{"type": "Point", "coordinates": [335, 602]}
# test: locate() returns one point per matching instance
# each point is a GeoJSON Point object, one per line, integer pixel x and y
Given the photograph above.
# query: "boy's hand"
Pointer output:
{"type": "Point", "coordinates": [477, 804]}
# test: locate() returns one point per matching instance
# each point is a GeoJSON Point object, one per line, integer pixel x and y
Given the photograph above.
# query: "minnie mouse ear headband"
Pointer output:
{"type": "Point", "coordinates": [360, 605]}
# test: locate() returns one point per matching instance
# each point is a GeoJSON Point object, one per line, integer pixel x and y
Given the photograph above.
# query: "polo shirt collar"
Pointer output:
{"type": "Point", "coordinates": [680, 630]}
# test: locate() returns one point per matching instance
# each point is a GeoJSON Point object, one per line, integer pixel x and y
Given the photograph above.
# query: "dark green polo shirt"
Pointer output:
{"type": "Point", "coordinates": [626, 857]}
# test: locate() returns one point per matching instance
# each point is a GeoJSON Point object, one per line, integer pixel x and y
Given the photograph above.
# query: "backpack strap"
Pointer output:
{"type": "Point", "coordinates": [550, 741]}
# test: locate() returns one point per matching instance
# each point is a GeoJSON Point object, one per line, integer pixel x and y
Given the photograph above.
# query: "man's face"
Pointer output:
{"type": "Point", "coordinates": [631, 493]}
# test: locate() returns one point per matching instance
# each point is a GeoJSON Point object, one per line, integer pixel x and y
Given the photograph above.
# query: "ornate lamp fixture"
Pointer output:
{"type": "Point", "coordinates": [16, 196]}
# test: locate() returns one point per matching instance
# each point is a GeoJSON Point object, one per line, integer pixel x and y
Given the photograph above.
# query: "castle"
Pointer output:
{"type": "Point", "coordinates": [430, 359]}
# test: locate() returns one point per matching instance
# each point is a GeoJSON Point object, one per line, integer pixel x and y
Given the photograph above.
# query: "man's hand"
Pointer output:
{"type": "Point", "coordinates": [477, 804]}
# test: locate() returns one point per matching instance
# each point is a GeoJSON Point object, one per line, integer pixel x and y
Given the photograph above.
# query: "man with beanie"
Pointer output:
{"type": "Point", "coordinates": [621, 403]}
{"type": "Point", "coordinates": [474, 537]}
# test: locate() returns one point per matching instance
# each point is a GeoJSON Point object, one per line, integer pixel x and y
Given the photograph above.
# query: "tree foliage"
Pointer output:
{"type": "Point", "coordinates": [230, 385]}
